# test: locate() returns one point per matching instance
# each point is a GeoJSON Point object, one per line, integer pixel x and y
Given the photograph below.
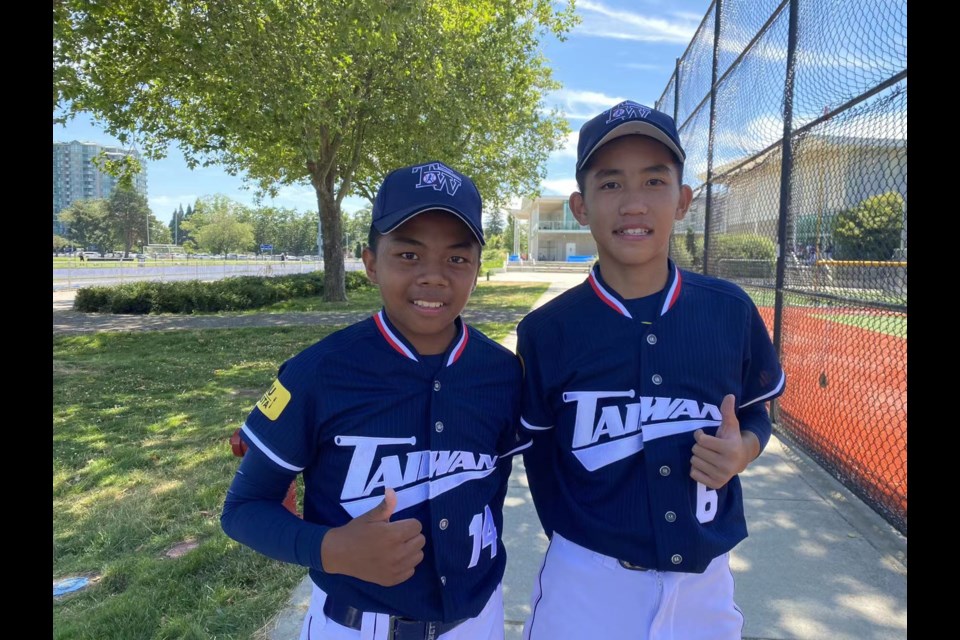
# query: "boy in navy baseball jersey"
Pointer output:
{"type": "Point", "coordinates": [644, 389]}
{"type": "Point", "coordinates": [403, 426]}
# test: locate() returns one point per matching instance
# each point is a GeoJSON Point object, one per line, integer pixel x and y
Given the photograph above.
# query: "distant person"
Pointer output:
{"type": "Point", "coordinates": [404, 426]}
{"type": "Point", "coordinates": [644, 391]}
{"type": "Point", "coordinates": [283, 257]}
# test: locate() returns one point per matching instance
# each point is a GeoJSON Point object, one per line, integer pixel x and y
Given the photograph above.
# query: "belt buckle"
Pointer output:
{"type": "Point", "coordinates": [632, 567]}
{"type": "Point", "coordinates": [427, 630]}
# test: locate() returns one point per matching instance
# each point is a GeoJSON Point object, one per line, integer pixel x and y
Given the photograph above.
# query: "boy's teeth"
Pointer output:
{"type": "Point", "coordinates": [428, 305]}
{"type": "Point", "coordinates": [634, 232]}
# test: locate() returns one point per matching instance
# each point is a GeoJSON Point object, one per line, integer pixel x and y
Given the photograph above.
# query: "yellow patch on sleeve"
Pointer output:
{"type": "Point", "coordinates": [274, 400]}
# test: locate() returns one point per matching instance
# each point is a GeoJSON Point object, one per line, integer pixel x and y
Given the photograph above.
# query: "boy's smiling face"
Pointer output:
{"type": "Point", "coordinates": [426, 270]}
{"type": "Point", "coordinates": [632, 194]}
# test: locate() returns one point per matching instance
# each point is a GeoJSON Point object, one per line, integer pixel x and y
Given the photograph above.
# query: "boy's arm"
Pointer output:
{"type": "Point", "coordinates": [369, 547]}
{"type": "Point", "coordinates": [254, 515]}
{"type": "Point", "coordinates": [738, 442]}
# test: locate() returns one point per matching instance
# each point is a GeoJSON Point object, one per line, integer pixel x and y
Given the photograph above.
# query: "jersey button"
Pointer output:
{"type": "Point", "coordinates": [438, 426]}
{"type": "Point", "coordinates": [656, 378]}
{"type": "Point", "coordinates": [676, 558]}
{"type": "Point", "coordinates": [651, 339]}
{"type": "Point", "coordinates": [443, 580]}
{"type": "Point", "coordinates": [444, 523]}
{"type": "Point", "coordinates": [664, 470]}
{"type": "Point", "coordinates": [436, 385]}
{"type": "Point", "coordinates": [669, 516]}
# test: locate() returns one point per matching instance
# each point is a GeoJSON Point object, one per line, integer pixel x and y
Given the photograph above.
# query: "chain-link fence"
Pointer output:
{"type": "Point", "coordinates": [793, 114]}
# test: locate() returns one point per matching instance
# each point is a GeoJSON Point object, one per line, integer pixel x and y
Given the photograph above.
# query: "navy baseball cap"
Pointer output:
{"type": "Point", "coordinates": [627, 118]}
{"type": "Point", "coordinates": [408, 191]}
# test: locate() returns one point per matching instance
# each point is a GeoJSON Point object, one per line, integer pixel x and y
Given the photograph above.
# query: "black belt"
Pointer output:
{"type": "Point", "coordinates": [400, 628]}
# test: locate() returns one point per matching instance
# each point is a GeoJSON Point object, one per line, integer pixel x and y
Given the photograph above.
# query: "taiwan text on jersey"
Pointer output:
{"type": "Point", "coordinates": [613, 401]}
{"type": "Point", "coordinates": [361, 411]}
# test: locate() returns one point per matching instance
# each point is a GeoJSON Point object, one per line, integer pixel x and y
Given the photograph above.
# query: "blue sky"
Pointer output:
{"type": "Point", "coordinates": [622, 49]}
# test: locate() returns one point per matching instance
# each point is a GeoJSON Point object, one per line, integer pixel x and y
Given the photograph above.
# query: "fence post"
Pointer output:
{"type": "Point", "coordinates": [786, 180]}
{"type": "Point", "coordinates": [711, 135]}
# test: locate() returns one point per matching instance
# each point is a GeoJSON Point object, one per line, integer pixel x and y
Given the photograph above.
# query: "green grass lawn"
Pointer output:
{"type": "Point", "coordinates": [141, 464]}
{"type": "Point", "coordinates": [888, 324]}
{"type": "Point", "coordinates": [493, 295]}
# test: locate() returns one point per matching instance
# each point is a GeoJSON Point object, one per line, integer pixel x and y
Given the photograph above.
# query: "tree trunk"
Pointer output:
{"type": "Point", "coordinates": [331, 231]}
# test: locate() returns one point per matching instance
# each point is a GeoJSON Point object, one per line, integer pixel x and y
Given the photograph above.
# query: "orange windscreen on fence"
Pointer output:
{"type": "Point", "coordinates": [846, 397]}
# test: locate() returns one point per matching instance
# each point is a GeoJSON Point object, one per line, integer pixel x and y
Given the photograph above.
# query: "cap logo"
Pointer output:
{"type": "Point", "coordinates": [439, 177]}
{"type": "Point", "coordinates": [628, 111]}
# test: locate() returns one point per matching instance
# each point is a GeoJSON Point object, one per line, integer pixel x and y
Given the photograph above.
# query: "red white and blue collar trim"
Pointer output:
{"type": "Point", "coordinates": [399, 345]}
{"type": "Point", "coordinates": [459, 346]}
{"type": "Point", "coordinates": [610, 298]}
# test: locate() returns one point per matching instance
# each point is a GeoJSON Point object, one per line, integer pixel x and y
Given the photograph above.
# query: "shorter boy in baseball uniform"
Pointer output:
{"type": "Point", "coordinates": [403, 426]}
{"type": "Point", "coordinates": [644, 388]}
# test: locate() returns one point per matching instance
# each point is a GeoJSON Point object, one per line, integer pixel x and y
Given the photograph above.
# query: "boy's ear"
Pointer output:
{"type": "Point", "coordinates": [578, 208]}
{"type": "Point", "coordinates": [370, 264]}
{"type": "Point", "coordinates": [686, 197]}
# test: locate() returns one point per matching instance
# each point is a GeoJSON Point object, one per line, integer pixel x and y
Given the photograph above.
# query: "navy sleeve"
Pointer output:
{"type": "Point", "coordinates": [254, 515]}
{"type": "Point", "coordinates": [763, 377]}
{"type": "Point", "coordinates": [755, 419]}
{"type": "Point", "coordinates": [535, 413]}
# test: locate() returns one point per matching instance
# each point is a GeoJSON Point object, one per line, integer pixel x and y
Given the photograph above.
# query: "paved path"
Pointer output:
{"type": "Point", "coordinates": [818, 564]}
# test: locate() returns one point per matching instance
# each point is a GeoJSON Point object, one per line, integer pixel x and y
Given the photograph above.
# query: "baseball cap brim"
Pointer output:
{"type": "Point", "coordinates": [635, 127]}
{"type": "Point", "coordinates": [386, 224]}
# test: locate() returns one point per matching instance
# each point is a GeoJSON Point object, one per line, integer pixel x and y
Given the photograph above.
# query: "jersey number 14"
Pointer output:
{"type": "Point", "coordinates": [483, 530]}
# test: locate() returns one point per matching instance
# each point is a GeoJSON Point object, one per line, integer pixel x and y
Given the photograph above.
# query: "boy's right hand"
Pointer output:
{"type": "Point", "coordinates": [372, 548]}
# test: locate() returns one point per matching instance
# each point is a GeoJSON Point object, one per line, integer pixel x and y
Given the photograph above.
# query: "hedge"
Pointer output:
{"type": "Point", "coordinates": [193, 296]}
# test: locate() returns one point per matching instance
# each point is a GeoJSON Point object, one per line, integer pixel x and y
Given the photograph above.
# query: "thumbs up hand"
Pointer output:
{"type": "Point", "coordinates": [372, 548]}
{"type": "Point", "coordinates": [718, 458]}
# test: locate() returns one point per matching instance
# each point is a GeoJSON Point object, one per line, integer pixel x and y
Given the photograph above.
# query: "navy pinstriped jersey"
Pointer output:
{"type": "Point", "coordinates": [613, 401]}
{"type": "Point", "coordinates": [360, 411]}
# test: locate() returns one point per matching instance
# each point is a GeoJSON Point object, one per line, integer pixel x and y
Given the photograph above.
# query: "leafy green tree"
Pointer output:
{"type": "Point", "coordinates": [302, 238]}
{"type": "Point", "coordinates": [494, 223]}
{"type": "Point", "coordinates": [518, 228]}
{"type": "Point", "coordinates": [330, 92]}
{"type": "Point", "coordinates": [60, 243]}
{"type": "Point", "coordinates": [176, 220]}
{"type": "Point", "coordinates": [159, 232]}
{"type": "Point", "coordinates": [183, 232]}
{"type": "Point", "coordinates": [741, 254]}
{"type": "Point", "coordinates": [266, 223]}
{"type": "Point", "coordinates": [89, 225]}
{"type": "Point", "coordinates": [129, 214]}
{"type": "Point", "coordinates": [356, 226]}
{"type": "Point", "coordinates": [219, 225]}
{"type": "Point", "coordinates": [871, 230]}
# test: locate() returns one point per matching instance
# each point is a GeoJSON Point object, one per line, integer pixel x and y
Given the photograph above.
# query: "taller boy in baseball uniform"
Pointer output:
{"type": "Point", "coordinates": [403, 426]}
{"type": "Point", "coordinates": [645, 389]}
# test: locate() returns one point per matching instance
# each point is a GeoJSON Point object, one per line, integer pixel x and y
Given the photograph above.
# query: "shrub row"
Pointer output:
{"type": "Point", "coordinates": [191, 296]}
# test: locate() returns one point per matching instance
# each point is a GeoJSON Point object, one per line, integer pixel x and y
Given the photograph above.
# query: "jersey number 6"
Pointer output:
{"type": "Point", "coordinates": [706, 503]}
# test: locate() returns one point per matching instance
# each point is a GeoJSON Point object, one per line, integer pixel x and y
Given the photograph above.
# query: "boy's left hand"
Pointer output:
{"type": "Point", "coordinates": [718, 458]}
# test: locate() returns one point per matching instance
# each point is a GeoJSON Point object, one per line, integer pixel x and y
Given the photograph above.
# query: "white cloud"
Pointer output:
{"type": "Point", "coordinates": [297, 195]}
{"type": "Point", "coordinates": [559, 186]}
{"type": "Point", "coordinates": [643, 66]}
{"type": "Point", "coordinates": [582, 105]}
{"type": "Point", "coordinates": [354, 203]}
{"type": "Point", "coordinates": [569, 148]}
{"type": "Point", "coordinates": [173, 201]}
{"type": "Point", "coordinates": [602, 21]}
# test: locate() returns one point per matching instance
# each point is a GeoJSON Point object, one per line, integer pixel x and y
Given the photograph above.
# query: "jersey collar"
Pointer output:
{"type": "Point", "coordinates": [399, 344]}
{"type": "Point", "coordinates": [668, 297]}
